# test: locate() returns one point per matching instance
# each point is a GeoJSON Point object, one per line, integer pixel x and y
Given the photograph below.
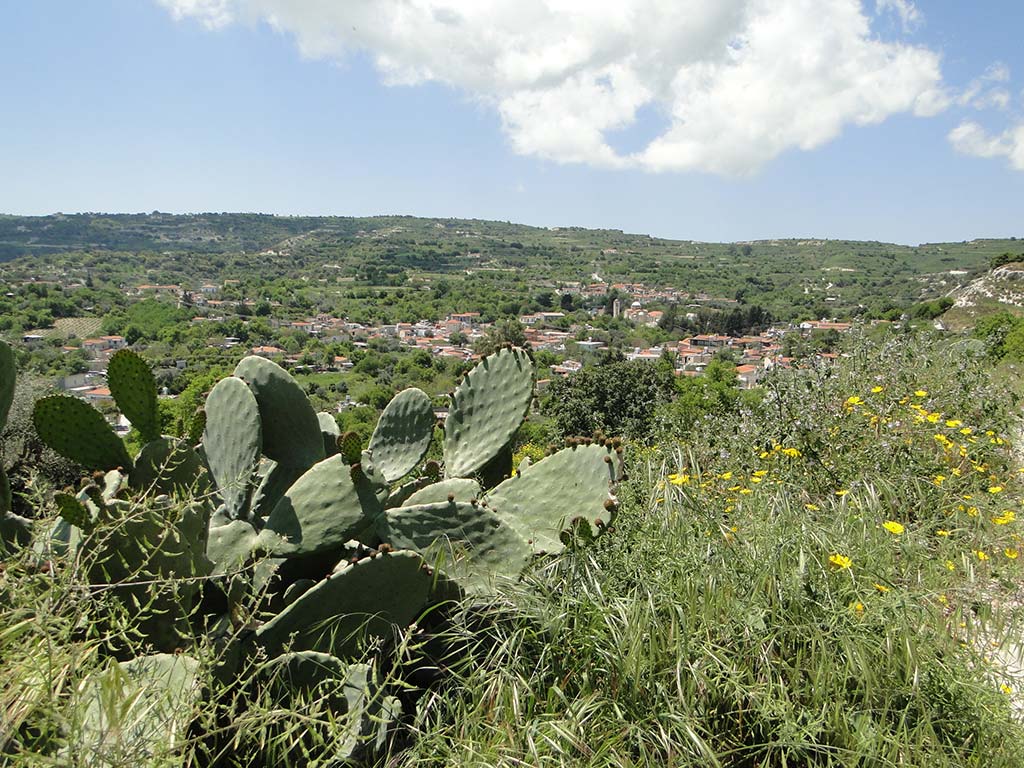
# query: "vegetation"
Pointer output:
{"type": "Point", "coordinates": [823, 575]}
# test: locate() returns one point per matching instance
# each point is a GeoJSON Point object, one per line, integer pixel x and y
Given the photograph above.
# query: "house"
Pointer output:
{"type": "Point", "coordinates": [465, 318]}
{"type": "Point", "coordinates": [747, 375]}
{"type": "Point", "coordinates": [267, 351]}
{"type": "Point", "coordinates": [96, 395]}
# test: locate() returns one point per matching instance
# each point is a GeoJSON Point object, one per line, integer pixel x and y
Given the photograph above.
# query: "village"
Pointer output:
{"type": "Point", "coordinates": [571, 343]}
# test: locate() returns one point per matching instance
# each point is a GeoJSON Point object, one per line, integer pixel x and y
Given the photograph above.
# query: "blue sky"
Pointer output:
{"type": "Point", "coordinates": [695, 124]}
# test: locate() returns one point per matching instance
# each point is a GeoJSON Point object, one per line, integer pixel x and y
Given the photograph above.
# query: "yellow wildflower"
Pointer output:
{"type": "Point", "coordinates": [842, 492]}
{"type": "Point", "coordinates": [792, 453]}
{"type": "Point", "coordinates": [746, 492]}
{"type": "Point", "coordinates": [1011, 553]}
{"type": "Point", "coordinates": [853, 400]}
{"type": "Point", "coordinates": [1008, 516]}
{"type": "Point", "coordinates": [921, 393]}
{"type": "Point", "coordinates": [941, 532]}
{"type": "Point", "coordinates": [1006, 689]}
{"type": "Point", "coordinates": [996, 489]}
{"type": "Point", "coordinates": [761, 473]}
{"type": "Point", "coordinates": [934, 417]}
{"type": "Point", "coordinates": [725, 476]}
{"type": "Point", "coordinates": [982, 555]}
{"type": "Point", "coordinates": [953, 423]}
{"type": "Point", "coordinates": [966, 431]}
{"type": "Point", "coordinates": [950, 565]}
{"type": "Point", "coordinates": [679, 479]}
{"type": "Point", "coordinates": [812, 507]}
{"type": "Point", "coordinates": [893, 527]}
{"type": "Point", "coordinates": [876, 390]}
{"type": "Point", "coordinates": [939, 479]}
{"type": "Point", "coordinates": [882, 588]}
{"type": "Point", "coordinates": [857, 607]}
{"type": "Point", "coordinates": [840, 561]}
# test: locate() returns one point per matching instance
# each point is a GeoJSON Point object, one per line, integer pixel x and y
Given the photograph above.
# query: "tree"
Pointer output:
{"type": "Point", "coordinates": [507, 331]}
{"type": "Point", "coordinates": [618, 399]}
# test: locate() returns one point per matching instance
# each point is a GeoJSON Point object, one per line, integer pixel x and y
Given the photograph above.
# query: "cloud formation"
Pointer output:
{"type": "Point", "coordinates": [737, 82]}
{"type": "Point", "coordinates": [969, 138]}
{"type": "Point", "coordinates": [980, 93]}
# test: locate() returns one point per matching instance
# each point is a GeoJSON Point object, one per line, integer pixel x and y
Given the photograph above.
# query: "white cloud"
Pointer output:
{"type": "Point", "coordinates": [739, 81]}
{"type": "Point", "coordinates": [969, 138]}
{"type": "Point", "coordinates": [980, 94]}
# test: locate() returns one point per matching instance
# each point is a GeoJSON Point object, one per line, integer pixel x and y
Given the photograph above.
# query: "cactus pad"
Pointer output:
{"type": "Point", "coordinates": [291, 429]}
{"type": "Point", "coordinates": [486, 410]}
{"type": "Point", "coordinates": [330, 431]}
{"type": "Point", "coordinates": [540, 502]}
{"type": "Point", "coordinates": [476, 544]}
{"type": "Point", "coordinates": [231, 546]}
{"type": "Point", "coordinates": [133, 387]}
{"type": "Point", "coordinates": [72, 511]}
{"type": "Point", "coordinates": [232, 441]}
{"type": "Point", "coordinates": [403, 434]}
{"type": "Point", "coordinates": [274, 480]}
{"type": "Point", "coordinates": [7, 374]}
{"type": "Point", "coordinates": [322, 510]}
{"type": "Point", "coordinates": [364, 600]}
{"type": "Point", "coordinates": [77, 431]}
{"type": "Point", "coordinates": [139, 708]}
{"type": "Point", "coordinates": [461, 489]}
{"type": "Point", "coordinates": [351, 447]}
{"type": "Point", "coordinates": [168, 465]}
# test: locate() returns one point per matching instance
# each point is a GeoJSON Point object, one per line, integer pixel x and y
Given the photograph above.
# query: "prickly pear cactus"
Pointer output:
{"type": "Point", "coordinates": [486, 410]}
{"type": "Point", "coordinates": [291, 429]}
{"type": "Point", "coordinates": [77, 431]}
{"type": "Point", "coordinates": [232, 545]}
{"type": "Point", "coordinates": [233, 439]}
{"type": "Point", "coordinates": [330, 431]}
{"type": "Point", "coordinates": [350, 447]}
{"type": "Point", "coordinates": [153, 558]}
{"type": "Point", "coordinates": [74, 512]}
{"type": "Point", "coordinates": [402, 436]}
{"type": "Point", "coordinates": [134, 712]}
{"type": "Point", "coordinates": [274, 480]}
{"type": "Point", "coordinates": [7, 376]}
{"type": "Point", "coordinates": [550, 503]}
{"type": "Point", "coordinates": [456, 489]}
{"type": "Point", "coordinates": [322, 510]}
{"type": "Point", "coordinates": [543, 499]}
{"type": "Point", "coordinates": [472, 543]}
{"type": "Point", "coordinates": [168, 465]}
{"type": "Point", "coordinates": [133, 388]}
{"type": "Point", "coordinates": [303, 679]}
{"type": "Point", "coordinates": [358, 602]}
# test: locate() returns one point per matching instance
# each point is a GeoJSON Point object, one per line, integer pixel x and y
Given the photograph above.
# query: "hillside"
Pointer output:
{"type": "Point", "coordinates": [999, 290]}
{"type": "Point", "coordinates": [790, 277]}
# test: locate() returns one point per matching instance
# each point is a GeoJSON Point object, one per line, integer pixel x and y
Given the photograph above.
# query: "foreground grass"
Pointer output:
{"type": "Point", "coordinates": [827, 587]}
{"type": "Point", "coordinates": [828, 580]}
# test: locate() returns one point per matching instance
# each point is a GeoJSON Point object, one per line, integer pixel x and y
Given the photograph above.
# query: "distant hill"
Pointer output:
{"type": "Point", "coordinates": [791, 277]}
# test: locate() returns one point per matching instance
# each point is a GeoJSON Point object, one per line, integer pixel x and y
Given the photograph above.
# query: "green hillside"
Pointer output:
{"type": "Point", "coordinates": [790, 277]}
